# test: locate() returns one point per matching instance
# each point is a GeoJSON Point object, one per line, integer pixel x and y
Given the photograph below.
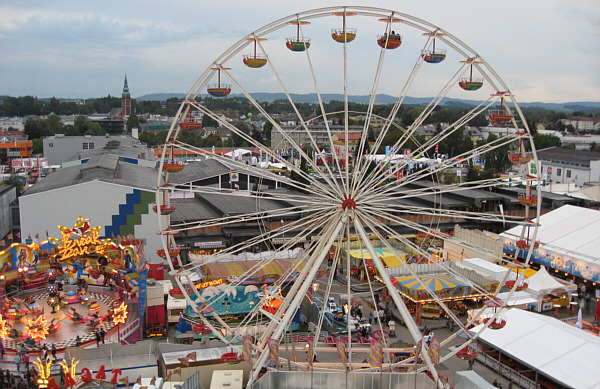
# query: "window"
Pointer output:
{"type": "Point", "coordinates": [88, 146]}
{"type": "Point", "coordinates": [568, 174]}
{"type": "Point", "coordinates": [558, 171]}
{"type": "Point", "coordinates": [50, 144]}
{"type": "Point", "coordinates": [549, 171]}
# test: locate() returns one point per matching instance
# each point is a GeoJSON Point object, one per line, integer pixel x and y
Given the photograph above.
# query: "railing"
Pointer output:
{"type": "Point", "coordinates": [506, 371]}
{"type": "Point", "coordinates": [129, 329]}
{"type": "Point", "coordinates": [193, 382]}
{"type": "Point", "coordinates": [569, 319]}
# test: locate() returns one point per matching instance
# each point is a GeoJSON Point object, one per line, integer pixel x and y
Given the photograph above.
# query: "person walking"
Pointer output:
{"type": "Point", "coordinates": [26, 360]}
{"type": "Point", "coordinates": [53, 351]}
{"type": "Point", "coordinates": [102, 334]}
{"type": "Point", "coordinates": [17, 360]}
{"type": "Point", "coordinates": [97, 339]}
{"type": "Point", "coordinates": [370, 318]}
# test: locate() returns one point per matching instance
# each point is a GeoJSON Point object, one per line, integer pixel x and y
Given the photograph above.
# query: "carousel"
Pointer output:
{"type": "Point", "coordinates": [63, 291]}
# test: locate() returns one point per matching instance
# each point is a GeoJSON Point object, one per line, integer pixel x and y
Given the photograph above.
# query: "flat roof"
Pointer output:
{"type": "Point", "coordinates": [560, 351]}
{"type": "Point", "coordinates": [558, 153]}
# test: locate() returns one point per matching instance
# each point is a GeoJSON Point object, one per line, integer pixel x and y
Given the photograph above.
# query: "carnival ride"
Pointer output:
{"type": "Point", "coordinates": [348, 199]}
{"type": "Point", "coordinates": [46, 287]}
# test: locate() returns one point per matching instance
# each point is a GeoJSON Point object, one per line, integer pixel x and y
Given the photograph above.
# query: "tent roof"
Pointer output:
{"type": "Point", "coordinates": [543, 281]}
{"type": "Point", "coordinates": [560, 351]}
{"type": "Point", "coordinates": [569, 230]}
{"type": "Point", "coordinates": [470, 380]}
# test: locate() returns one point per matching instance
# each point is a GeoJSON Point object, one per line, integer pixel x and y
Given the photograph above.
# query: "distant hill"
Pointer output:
{"type": "Point", "coordinates": [585, 106]}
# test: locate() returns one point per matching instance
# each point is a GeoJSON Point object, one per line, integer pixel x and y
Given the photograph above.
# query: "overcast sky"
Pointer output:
{"type": "Point", "coordinates": [545, 51]}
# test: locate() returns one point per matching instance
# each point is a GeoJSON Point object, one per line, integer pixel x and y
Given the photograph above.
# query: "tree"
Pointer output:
{"type": "Point", "coordinates": [94, 128]}
{"type": "Point", "coordinates": [207, 121]}
{"type": "Point", "coordinates": [35, 129]}
{"type": "Point", "coordinates": [132, 121]}
{"type": "Point", "coordinates": [543, 141]}
{"type": "Point", "coordinates": [54, 124]}
{"type": "Point", "coordinates": [266, 132]}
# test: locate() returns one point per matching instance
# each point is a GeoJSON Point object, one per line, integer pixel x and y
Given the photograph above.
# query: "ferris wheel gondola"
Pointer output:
{"type": "Point", "coordinates": [298, 43]}
{"type": "Point", "coordinates": [390, 40]}
{"type": "Point", "coordinates": [343, 35]}
{"type": "Point", "coordinates": [471, 83]}
{"type": "Point", "coordinates": [433, 55]}
{"type": "Point", "coordinates": [218, 89]}
{"type": "Point", "coordinates": [502, 115]}
{"type": "Point", "coordinates": [255, 60]}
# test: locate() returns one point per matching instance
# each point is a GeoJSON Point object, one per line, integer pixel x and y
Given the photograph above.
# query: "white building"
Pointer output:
{"type": "Point", "coordinates": [60, 148]}
{"type": "Point", "coordinates": [16, 123]}
{"type": "Point", "coordinates": [111, 187]}
{"type": "Point", "coordinates": [569, 166]}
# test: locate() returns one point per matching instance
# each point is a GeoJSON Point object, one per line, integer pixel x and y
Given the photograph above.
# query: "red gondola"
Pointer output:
{"type": "Point", "coordinates": [173, 252]}
{"type": "Point", "coordinates": [524, 244]}
{"type": "Point", "coordinates": [232, 358]}
{"type": "Point", "coordinates": [467, 353]}
{"type": "Point", "coordinates": [391, 40]}
{"type": "Point", "coordinates": [218, 89]}
{"type": "Point", "coordinates": [171, 166]}
{"type": "Point", "coordinates": [343, 35]}
{"type": "Point", "coordinates": [298, 43]}
{"type": "Point", "coordinates": [433, 55]}
{"type": "Point", "coordinates": [190, 124]}
{"type": "Point", "coordinates": [497, 324]}
{"type": "Point", "coordinates": [164, 209]}
{"type": "Point", "coordinates": [471, 83]}
{"type": "Point", "coordinates": [500, 116]}
{"type": "Point", "coordinates": [255, 60]}
{"type": "Point", "coordinates": [521, 286]}
{"type": "Point", "coordinates": [528, 200]}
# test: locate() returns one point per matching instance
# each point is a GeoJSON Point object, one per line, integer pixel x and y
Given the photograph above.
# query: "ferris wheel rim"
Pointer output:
{"type": "Point", "coordinates": [322, 12]}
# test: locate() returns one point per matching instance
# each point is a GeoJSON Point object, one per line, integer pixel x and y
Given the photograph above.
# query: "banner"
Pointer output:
{"type": "Point", "coordinates": [341, 349]}
{"type": "Point", "coordinates": [247, 349]}
{"type": "Point", "coordinates": [310, 353]}
{"type": "Point", "coordinates": [376, 354]}
{"type": "Point", "coordinates": [142, 281]}
{"type": "Point", "coordinates": [434, 351]}
{"type": "Point", "coordinates": [273, 351]}
{"type": "Point", "coordinates": [418, 313]}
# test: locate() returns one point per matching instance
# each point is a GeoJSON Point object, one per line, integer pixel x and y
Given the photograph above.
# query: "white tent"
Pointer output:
{"type": "Point", "coordinates": [542, 283]}
{"type": "Point", "coordinates": [495, 272]}
{"type": "Point", "coordinates": [470, 380]}
{"type": "Point", "coordinates": [560, 351]}
{"type": "Point", "coordinates": [238, 153]}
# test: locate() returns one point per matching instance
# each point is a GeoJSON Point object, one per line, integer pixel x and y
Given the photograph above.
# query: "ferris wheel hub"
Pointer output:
{"type": "Point", "coordinates": [348, 203]}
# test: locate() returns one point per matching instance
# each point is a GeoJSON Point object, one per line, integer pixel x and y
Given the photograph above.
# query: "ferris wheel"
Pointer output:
{"type": "Point", "coordinates": [343, 178]}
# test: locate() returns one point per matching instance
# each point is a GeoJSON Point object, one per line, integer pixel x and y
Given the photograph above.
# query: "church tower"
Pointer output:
{"type": "Point", "coordinates": [125, 100]}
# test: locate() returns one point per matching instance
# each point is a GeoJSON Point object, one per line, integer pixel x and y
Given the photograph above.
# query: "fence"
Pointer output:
{"type": "Point", "coordinates": [328, 380]}
{"type": "Point", "coordinates": [506, 371]}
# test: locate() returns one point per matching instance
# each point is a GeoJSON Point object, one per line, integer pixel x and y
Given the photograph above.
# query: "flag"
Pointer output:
{"type": "Point", "coordinates": [191, 356]}
{"type": "Point", "coordinates": [153, 381]}
{"type": "Point", "coordinates": [138, 381]}
{"type": "Point", "coordinates": [247, 348]}
{"type": "Point", "coordinates": [125, 381]}
{"type": "Point", "coordinates": [273, 351]}
{"type": "Point", "coordinates": [47, 235]}
{"type": "Point", "coordinates": [376, 354]}
{"type": "Point", "coordinates": [169, 376]}
{"type": "Point", "coordinates": [37, 236]}
{"type": "Point", "coordinates": [177, 371]}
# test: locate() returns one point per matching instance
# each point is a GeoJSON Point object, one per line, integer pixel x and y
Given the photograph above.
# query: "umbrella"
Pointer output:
{"type": "Point", "coordinates": [579, 323]}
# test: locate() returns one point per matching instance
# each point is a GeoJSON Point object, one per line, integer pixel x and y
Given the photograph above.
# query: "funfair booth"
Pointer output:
{"type": "Point", "coordinates": [549, 291]}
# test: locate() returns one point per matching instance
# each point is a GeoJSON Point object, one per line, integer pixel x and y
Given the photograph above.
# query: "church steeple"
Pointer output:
{"type": "Point", "coordinates": [125, 87]}
{"type": "Point", "coordinates": [125, 100]}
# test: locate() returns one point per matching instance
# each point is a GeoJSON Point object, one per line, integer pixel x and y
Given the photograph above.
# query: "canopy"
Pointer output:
{"type": "Point", "coordinates": [442, 285]}
{"type": "Point", "coordinates": [264, 273]}
{"type": "Point", "coordinates": [386, 255]}
{"type": "Point", "coordinates": [543, 283]}
{"type": "Point", "coordinates": [560, 351]}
